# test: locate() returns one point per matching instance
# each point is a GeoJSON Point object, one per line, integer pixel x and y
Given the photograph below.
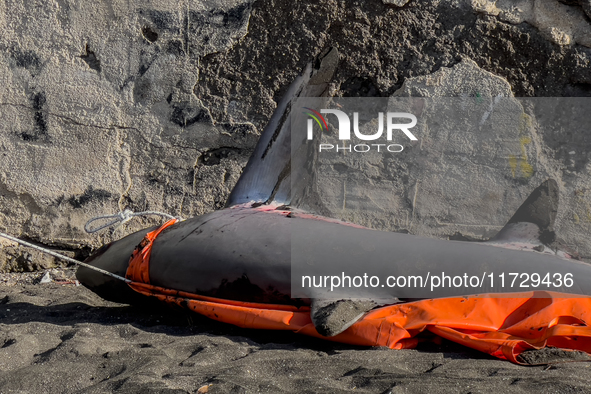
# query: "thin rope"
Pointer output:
{"type": "Point", "coordinates": [66, 258]}
{"type": "Point", "coordinates": [121, 218]}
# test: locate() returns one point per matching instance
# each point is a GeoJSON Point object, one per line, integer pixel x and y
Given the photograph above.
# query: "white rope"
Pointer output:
{"type": "Point", "coordinates": [120, 218]}
{"type": "Point", "coordinates": [66, 258]}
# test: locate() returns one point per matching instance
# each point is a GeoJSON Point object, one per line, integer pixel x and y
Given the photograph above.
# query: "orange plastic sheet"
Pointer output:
{"type": "Point", "coordinates": [139, 265]}
{"type": "Point", "coordinates": [503, 326]}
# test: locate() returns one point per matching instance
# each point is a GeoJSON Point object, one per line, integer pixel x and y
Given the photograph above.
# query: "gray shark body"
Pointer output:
{"type": "Point", "coordinates": [244, 252]}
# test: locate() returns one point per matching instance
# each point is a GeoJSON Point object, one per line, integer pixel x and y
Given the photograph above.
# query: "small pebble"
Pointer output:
{"type": "Point", "coordinates": [46, 278]}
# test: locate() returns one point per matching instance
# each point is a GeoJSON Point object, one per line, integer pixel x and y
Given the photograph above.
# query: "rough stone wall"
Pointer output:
{"type": "Point", "coordinates": [98, 114]}
{"type": "Point", "coordinates": [157, 104]}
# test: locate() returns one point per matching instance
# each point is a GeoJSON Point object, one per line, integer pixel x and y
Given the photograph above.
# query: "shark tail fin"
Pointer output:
{"type": "Point", "coordinates": [533, 222]}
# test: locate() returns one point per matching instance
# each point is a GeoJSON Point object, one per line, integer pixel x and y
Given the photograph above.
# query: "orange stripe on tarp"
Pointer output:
{"type": "Point", "coordinates": [502, 326]}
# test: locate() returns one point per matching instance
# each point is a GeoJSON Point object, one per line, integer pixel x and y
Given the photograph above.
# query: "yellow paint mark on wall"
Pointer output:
{"type": "Point", "coordinates": [513, 164]}
{"type": "Point", "coordinates": [527, 170]}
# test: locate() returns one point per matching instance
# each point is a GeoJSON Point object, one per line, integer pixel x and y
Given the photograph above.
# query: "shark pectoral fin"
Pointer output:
{"type": "Point", "coordinates": [268, 175]}
{"type": "Point", "coordinates": [533, 222]}
{"type": "Point", "coordinates": [331, 317]}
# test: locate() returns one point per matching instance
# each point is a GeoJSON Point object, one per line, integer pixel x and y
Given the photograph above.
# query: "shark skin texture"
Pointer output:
{"type": "Point", "coordinates": [240, 256]}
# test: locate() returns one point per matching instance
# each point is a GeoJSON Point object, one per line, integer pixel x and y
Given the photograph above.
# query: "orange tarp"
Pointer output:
{"type": "Point", "coordinates": [503, 326]}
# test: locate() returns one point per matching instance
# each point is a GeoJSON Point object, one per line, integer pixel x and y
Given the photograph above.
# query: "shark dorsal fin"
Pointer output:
{"type": "Point", "coordinates": [534, 220]}
{"type": "Point", "coordinates": [269, 174]}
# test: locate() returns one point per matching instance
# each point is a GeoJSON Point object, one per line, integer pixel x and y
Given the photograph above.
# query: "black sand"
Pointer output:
{"type": "Point", "coordinates": [62, 338]}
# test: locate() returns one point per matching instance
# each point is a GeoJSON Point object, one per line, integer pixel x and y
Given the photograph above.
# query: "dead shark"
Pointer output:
{"type": "Point", "coordinates": [244, 251]}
